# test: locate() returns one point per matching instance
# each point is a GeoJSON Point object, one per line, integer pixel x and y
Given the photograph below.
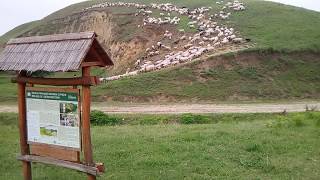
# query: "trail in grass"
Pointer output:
{"type": "Point", "coordinates": [198, 108]}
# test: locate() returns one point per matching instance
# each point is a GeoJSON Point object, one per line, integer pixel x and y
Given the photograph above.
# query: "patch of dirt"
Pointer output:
{"type": "Point", "coordinates": [161, 98]}
{"type": "Point", "coordinates": [198, 108]}
{"type": "Point", "coordinates": [248, 59]}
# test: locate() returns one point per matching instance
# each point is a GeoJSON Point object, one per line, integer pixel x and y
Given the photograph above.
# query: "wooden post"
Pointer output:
{"type": "Point", "coordinates": [86, 135]}
{"type": "Point", "coordinates": [26, 166]}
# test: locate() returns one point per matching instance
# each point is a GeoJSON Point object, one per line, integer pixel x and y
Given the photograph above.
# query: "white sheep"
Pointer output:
{"type": "Point", "coordinates": [183, 37]}
{"type": "Point", "coordinates": [225, 40]}
{"type": "Point", "coordinates": [166, 48]}
{"type": "Point", "coordinates": [237, 40]}
{"type": "Point", "coordinates": [188, 46]}
{"type": "Point", "coordinates": [217, 44]}
{"type": "Point", "coordinates": [209, 31]}
{"type": "Point", "coordinates": [149, 68]}
{"type": "Point", "coordinates": [137, 62]}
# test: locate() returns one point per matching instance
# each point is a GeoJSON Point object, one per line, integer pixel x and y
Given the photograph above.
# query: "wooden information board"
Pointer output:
{"type": "Point", "coordinates": [53, 122]}
{"type": "Point", "coordinates": [53, 117]}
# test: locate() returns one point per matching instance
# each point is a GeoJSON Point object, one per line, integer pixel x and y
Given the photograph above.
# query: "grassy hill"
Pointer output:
{"type": "Point", "coordinates": [282, 63]}
{"type": "Point", "coordinates": [268, 24]}
{"type": "Point", "coordinates": [231, 77]}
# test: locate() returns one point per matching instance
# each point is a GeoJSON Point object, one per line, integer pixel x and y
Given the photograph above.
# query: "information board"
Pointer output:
{"type": "Point", "coordinates": [53, 117]}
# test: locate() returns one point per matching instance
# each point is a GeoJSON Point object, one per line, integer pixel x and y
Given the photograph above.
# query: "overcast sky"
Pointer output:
{"type": "Point", "coordinates": [16, 12]}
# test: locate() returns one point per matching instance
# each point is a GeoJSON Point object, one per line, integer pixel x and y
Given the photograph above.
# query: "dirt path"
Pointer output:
{"type": "Point", "coordinates": [209, 108]}
{"type": "Point", "coordinates": [198, 108]}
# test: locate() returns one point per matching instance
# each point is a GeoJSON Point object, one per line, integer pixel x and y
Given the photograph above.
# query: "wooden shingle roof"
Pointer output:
{"type": "Point", "coordinates": [53, 53]}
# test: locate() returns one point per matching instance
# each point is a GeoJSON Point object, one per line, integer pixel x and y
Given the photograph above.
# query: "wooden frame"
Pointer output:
{"type": "Point", "coordinates": [48, 153]}
{"type": "Point", "coordinates": [54, 90]}
{"type": "Point", "coordinates": [88, 81]}
{"type": "Point", "coordinates": [91, 53]}
{"type": "Point", "coordinates": [92, 170]}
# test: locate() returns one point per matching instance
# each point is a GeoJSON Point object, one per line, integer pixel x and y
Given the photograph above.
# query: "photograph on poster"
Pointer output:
{"type": "Point", "coordinates": [69, 120]}
{"type": "Point", "coordinates": [48, 131]}
{"type": "Point", "coordinates": [69, 114]}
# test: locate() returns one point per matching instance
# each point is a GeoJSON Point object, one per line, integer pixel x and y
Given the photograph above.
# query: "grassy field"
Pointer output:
{"type": "Point", "coordinates": [8, 90]}
{"type": "Point", "coordinates": [252, 146]}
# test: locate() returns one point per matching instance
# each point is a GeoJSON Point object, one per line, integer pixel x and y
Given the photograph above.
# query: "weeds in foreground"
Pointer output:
{"type": "Point", "coordinates": [296, 120]}
{"type": "Point", "coordinates": [99, 118]}
{"type": "Point", "coordinates": [253, 148]}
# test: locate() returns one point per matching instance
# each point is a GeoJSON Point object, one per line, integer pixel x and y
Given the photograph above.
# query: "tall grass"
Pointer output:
{"type": "Point", "coordinates": [241, 148]}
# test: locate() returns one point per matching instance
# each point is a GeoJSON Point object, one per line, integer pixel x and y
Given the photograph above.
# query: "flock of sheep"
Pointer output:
{"type": "Point", "coordinates": [209, 34]}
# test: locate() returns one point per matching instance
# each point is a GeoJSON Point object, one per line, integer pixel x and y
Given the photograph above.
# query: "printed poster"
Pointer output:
{"type": "Point", "coordinates": [53, 118]}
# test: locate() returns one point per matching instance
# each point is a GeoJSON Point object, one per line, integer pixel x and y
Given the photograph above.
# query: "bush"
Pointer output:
{"type": "Point", "coordinates": [314, 116]}
{"type": "Point", "coordinates": [250, 72]}
{"type": "Point", "coordinates": [318, 122]}
{"type": "Point", "coordinates": [149, 121]}
{"type": "Point", "coordinates": [298, 120]}
{"type": "Point", "coordinates": [99, 118]}
{"type": "Point", "coordinates": [193, 119]}
{"type": "Point", "coordinates": [253, 148]}
{"type": "Point", "coordinates": [281, 121]}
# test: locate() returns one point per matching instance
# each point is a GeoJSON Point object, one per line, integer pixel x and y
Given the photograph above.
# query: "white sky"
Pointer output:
{"type": "Point", "coordinates": [308, 4]}
{"type": "Point", "coordinates": [17, 12]}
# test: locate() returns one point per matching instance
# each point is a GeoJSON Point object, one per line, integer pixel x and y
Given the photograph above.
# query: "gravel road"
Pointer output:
{"type": "Point", "coordinates": [198, 108]}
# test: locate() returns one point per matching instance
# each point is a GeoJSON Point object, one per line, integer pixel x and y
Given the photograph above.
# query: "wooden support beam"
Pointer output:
{"type": "Point", "coordinates": [85, 81]}
{"type": "Point", "coordinates": [86, 134]}
{"type": "Point", "coordinates": [88, 64]}
{"type": "Point", "coordinates": [26, 166]}
{"type": "Point", "coordinates": [92, 170]}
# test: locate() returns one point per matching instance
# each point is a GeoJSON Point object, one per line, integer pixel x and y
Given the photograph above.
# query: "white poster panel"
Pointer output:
{"type": "Point", "coordinates": [53, 117]}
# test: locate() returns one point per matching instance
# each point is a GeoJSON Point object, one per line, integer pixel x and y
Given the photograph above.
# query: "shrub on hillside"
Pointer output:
{"type": "Point", "coordinates": [99, 118]}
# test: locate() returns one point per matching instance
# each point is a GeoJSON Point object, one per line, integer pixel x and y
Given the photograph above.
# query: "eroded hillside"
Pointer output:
{"type": "Point", "coordinates": [141, 37]}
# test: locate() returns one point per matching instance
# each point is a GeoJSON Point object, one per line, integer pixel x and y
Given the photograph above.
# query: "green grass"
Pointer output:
{"type": "Point", "coordinates": [8, 90]}
{"type": "Point", "coordinates": [277, 26]}
{"type": "Point", "coordinates": [18, 31]}
{"type": "Point", "coordinates": [184, 25]}
{"type": "Point", "coordinates": [245, 147]}
{"type": "Point", "coordinates": [258, 77]}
